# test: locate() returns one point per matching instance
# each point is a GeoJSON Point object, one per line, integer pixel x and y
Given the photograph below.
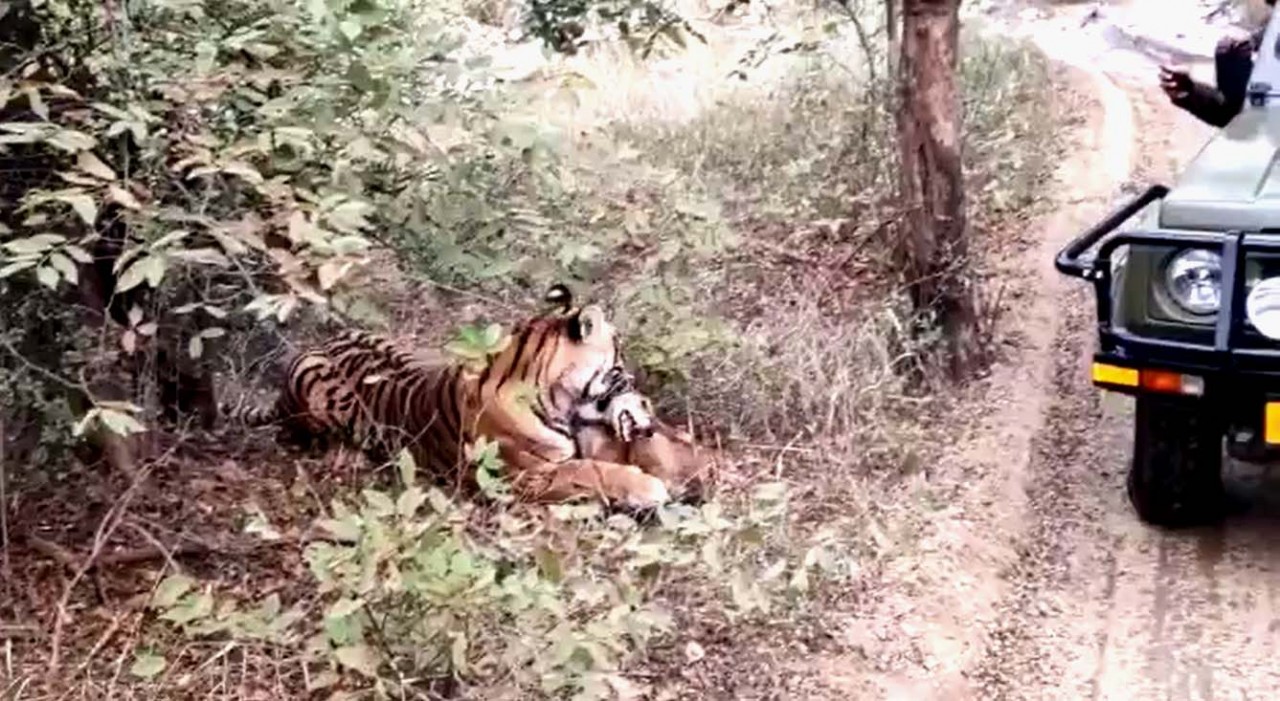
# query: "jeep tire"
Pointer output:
{"type": "Point", "coordinates": [1176, 476]}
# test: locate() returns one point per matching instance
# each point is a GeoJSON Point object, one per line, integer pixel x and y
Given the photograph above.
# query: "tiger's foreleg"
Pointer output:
{"type": "Point", "coordinates": [611, 482]}
{"type": "Point", "coordinates": [614, 483]}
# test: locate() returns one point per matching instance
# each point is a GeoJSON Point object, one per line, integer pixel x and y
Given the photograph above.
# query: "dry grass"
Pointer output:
{"type": "Point", "coordinates": [814, 390]}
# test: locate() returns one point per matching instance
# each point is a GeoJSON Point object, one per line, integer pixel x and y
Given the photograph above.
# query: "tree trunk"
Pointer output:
{"type": "Point", "coordinates": [891, 32]}
{"type": "Point", "coordinates": [933, 250]}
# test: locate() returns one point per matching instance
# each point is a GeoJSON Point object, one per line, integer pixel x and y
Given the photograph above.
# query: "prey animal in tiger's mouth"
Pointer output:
{"type": "Point", "coordinates": [622, 408]}
{"type": "Point", "coordinates": [622, 427]}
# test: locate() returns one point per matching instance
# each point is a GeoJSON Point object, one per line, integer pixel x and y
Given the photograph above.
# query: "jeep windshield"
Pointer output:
{"type": "Point", "coordinates": [1233, 184]}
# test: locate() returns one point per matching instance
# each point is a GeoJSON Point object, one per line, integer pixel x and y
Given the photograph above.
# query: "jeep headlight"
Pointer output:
{"type": "Point", "coordinates": [1262, 307]}
{"type": "Point", "coordinates": [1194, 280]}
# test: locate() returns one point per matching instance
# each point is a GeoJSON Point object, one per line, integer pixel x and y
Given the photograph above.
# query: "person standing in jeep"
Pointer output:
{"type": "Point", "coordinates": [1233, 62]}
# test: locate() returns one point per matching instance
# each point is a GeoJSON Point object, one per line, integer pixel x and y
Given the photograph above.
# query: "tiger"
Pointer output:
{"type": "Point", "coordinates": [368, 387]}
{"type": "Point", "coordinates": [621, 427]}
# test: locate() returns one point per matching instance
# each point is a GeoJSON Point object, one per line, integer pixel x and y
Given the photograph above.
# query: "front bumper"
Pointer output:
{"type": "Point", "coordinates": [1235, 375]}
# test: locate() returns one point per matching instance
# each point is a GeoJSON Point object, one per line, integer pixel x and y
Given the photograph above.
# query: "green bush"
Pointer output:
{"type": "Point", "coordinates": [419, 593]}
{"type": "Point", "coordinates": [208, 167]}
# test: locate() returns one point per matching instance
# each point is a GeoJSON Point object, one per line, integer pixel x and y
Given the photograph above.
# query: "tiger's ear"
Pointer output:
{"type": "Point", "coordinates": [586, 322]}
{"type": "Point", "coordinates": [560, 297]}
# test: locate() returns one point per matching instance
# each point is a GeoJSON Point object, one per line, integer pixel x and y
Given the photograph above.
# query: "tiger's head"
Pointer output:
{"type": "Point", "coordinates": [570, 355]}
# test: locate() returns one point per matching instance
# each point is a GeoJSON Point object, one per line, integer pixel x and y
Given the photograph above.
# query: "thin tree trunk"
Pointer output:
{"type": "Point", "coordinates": [891, 33]}
{"type": "Point", "coordinates": [933, 249]}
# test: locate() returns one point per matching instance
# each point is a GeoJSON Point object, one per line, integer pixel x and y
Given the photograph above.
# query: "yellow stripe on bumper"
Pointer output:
{"type": "Point", "coordinates": [1271, 424]}
{"type": "Point", "coordinates": [1115, 375]}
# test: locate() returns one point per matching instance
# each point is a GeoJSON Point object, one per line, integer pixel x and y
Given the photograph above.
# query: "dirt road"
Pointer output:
{"type": "Point", "coordinates": [1098, 605]}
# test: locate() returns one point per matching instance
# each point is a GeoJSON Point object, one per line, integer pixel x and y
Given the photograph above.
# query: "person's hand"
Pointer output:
{"type": "Point", "coordinates": [1175, 81]}
{"type": "Point", "coordinates": [1236, 41]}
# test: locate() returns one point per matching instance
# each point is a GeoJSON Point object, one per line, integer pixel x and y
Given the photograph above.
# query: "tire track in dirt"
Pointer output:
{"type": "Point", "coordinates": [1100, 605]}
{"type": "Point", "coordinates": [1064, 441]}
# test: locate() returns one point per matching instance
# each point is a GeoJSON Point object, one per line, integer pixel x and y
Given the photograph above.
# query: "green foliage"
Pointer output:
{"type": "Point", "coordinates": [147, 665]}
{"type": "Point", "coordinates": [484, 455]}
{"type": "Point", "coordinates": [670, 338]}
{"type": "Point", "coordinates": [413, 589]}
{"type": "Point", "coordinates": [194, 611]}
{"type": "Point", "coordinates": [35, 406]}
{"type": "Point", "coordinates": [645, 25]}
{"type": "Point", "coordinates": [475, 345]}
{"type": "Point", "coordinates": [226, 162]}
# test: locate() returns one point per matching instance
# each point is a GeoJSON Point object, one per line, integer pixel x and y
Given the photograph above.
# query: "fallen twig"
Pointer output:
{"type": "Point", "coordinates": [788, 448]}
{"type": "Point", "coordinates": [872, 234]}
{"type": "Point", "coordinates": [788, 255]}
{"type": "Point", "coordinates": [159, 547]}
{"type": "Point", "coordinates": [1221, 9]}
{"type": "Point", "coordinates": [99, 644]}
{"type": "Point", "coordinates": [6, 572]}
{"type": "Point", "coordinates": [19, 630]}
{"type": "Point", "coordinates": [47, 374]}
{"type": "Point", "coordinates": [153, 552]}
{"type": "Point", "coordinates": [20, 685]}
{"type": "Point", "coordinates": [52, 551]}
{"type": "Point", "coordinates": [125, 649]}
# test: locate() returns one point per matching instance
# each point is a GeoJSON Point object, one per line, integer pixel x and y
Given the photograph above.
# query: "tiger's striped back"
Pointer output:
{"type": "Point", "coordinates": [369, 388]}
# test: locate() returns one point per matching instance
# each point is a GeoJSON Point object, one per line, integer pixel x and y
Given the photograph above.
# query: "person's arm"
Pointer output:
{"type": "Point", "coordinates": [1204, 102]}
{"type": "Point", "coordinates": [1233, 65]}
{"type": "Point", "coordinates": [1207, 104]}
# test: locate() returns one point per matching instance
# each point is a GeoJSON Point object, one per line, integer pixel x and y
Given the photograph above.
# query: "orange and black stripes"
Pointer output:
{"type": "Point", "coordinates": [371, 389]}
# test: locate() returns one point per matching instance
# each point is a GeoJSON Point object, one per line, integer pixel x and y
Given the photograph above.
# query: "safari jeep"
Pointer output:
{"type": "Point", "coordinates": [1188, 309]}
